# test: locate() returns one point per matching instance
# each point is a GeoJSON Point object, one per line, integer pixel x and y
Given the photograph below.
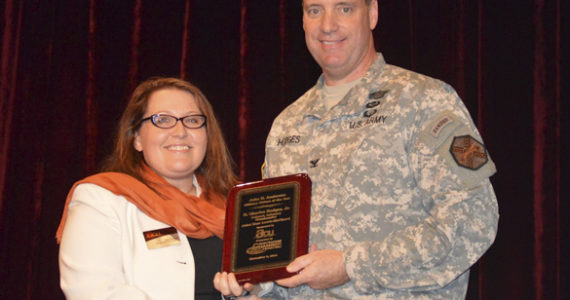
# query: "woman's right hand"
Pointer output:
{"type": "Point", "coordinates": [228, 285]}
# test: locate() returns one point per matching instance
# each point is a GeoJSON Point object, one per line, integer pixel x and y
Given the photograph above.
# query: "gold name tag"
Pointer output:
{"type": "Point", "coordinates": [160, 238]}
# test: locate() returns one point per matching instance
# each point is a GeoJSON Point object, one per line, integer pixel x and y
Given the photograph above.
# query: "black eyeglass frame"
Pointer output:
{"type": "Point", "coordinates": [153, 120]}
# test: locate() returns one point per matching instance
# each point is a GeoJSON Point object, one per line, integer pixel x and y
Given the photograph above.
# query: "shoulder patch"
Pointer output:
{"type": "Point", "coordinates": [440, 129]}
{"type": "Point", "coordinates": [440, 124]}
{"type": "Point", "coordinates": [468, 152]}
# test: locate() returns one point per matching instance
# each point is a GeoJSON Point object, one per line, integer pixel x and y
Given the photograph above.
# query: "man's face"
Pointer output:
{"type": "Point", "coordinates": [338, 34]}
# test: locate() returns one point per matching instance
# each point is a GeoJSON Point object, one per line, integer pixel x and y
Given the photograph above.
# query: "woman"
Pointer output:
{"type": "Point", "coordinates": [149, 226]}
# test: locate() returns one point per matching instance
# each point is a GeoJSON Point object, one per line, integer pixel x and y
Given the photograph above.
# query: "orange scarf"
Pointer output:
{"type": "Point", "coordinates": [197, 217]}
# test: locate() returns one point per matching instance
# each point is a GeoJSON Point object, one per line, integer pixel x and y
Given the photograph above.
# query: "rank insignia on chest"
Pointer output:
{"type": "Point", "coordinates": [468, 152]}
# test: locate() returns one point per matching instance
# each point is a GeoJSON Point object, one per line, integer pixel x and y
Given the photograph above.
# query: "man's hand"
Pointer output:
{"type": "Point", "coordinates": [320, 269]}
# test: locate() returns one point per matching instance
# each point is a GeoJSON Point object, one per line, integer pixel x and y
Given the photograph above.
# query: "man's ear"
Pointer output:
{"type": "Point", "coordinates": [137, 142]}
{"type": "Point", "coordinates": [373, 14]}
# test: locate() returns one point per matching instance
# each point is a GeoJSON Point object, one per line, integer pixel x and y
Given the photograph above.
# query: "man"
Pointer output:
{"type": "Point", "coordinates": [402, 205]}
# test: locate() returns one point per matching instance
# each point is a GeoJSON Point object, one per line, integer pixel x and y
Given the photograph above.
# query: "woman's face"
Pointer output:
{"type": "Point", "coordinates": [173, 153]}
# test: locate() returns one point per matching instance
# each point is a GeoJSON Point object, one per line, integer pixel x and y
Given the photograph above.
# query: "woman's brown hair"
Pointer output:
{"type": "Point", "coordinates": [217, 167]}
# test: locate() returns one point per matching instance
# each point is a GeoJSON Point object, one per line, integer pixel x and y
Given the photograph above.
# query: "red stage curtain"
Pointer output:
{"type": "Point", "coordinates": [67, 69]}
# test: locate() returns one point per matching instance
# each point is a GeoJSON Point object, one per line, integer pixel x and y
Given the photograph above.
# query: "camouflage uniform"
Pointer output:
{"type": "Point", "coordinates": [410, 216]}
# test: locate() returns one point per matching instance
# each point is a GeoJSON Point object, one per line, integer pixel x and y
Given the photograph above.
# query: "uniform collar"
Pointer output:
{"type": "Point", "coordinates": [348, 105]}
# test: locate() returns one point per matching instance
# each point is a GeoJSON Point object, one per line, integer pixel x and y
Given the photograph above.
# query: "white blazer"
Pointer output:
{"type": "Point", "coordinates": [103, 253]}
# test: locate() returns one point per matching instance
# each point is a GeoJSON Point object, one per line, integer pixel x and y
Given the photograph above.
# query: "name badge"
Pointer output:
{"type": "Point", "coordinates": [160, 238]}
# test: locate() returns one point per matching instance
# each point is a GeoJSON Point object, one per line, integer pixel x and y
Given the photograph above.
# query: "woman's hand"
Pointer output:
{"type": "Point", "coordinates": [228, 285]}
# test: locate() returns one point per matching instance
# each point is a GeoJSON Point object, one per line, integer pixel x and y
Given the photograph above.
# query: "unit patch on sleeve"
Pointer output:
{"type": "Point", "coordinates": [468, 152]}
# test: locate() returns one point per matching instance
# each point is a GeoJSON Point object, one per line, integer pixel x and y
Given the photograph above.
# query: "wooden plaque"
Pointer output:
{"type": "Point", "coordinates": [267, 227]}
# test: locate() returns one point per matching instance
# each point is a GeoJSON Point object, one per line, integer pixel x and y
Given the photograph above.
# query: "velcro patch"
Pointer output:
{"type": "Point", "coordinates": [440, 124]}
{"type": "Point", "coordinates": [468, 152]}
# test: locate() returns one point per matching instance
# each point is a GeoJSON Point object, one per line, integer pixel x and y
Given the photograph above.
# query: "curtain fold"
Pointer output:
{"type": "Point", "coordinates": [10, 50]}
{"type": "Point", "coordinates": [67, 69]}
{"type": "Point", "coordinates": [546, 100]}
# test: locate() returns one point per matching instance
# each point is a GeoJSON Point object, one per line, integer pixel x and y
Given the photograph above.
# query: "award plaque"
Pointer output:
{"type": "Point", "coordinates": [267, 227]}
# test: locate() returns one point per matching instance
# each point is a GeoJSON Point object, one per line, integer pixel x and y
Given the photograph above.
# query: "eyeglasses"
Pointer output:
{"type": "Point", "coordinates": [168, 121]}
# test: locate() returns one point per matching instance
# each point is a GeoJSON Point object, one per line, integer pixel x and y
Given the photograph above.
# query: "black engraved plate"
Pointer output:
{"type": "Point", "coordinates": [266, 227]}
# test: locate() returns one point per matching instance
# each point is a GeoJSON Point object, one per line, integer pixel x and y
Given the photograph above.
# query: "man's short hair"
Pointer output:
{"type": "Point", "coordinates": [365, 1]}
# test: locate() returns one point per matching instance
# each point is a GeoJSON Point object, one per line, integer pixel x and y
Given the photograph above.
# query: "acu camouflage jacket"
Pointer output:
{"type": "Point", "coordinates": [400, 185]}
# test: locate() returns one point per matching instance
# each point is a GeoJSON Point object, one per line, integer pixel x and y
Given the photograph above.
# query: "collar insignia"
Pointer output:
{"type": "Point", "coordinates": [314, 162]}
